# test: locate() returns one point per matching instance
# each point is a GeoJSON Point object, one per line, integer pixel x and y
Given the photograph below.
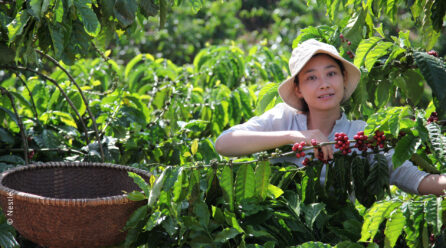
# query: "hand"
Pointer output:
{"type": "Point", "coordinates": [317, 135]}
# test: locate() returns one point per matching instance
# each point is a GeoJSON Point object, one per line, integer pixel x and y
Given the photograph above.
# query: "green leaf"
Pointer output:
{"type": "Point", "coordinates": [274, 191]}
{"type": "Point", "coordinates": [394, 227]}
{"type": "Point", "coordinates": [434, 213]}
{"type": "Point", "coordinates": [59, 11]}
{"type": "Point", "coordinates": [437, 142]}
{"type": "Point", "coordinates": [354, 28]}
{"type": "Point", "coordinates": [10, 114]}
{"type": "Point", "coordinates": [88, 17]}
{"type": "Point", "coordinates": [311, 212]}
{"type": "Point", "coordinates": [414, 215]}
{"type": "Point", "coordinates": [348, 244]}
{"type": "Point", "coordinates": [194, 146]}
{"type": "Point", "coordinates": [21, 99]}
{"type": "Point", "coordinates": [397, 51]}
{"type": "Point", "coordinates": [202, 212]}
{"type": "Point", "coordinates": [225, 235]}
{"type": "Point", "coordinates": [434, 71]}
{"type": "Point", "coordinates": [142, 184]}
{"type": "Point", "coordinates": [262, 175]}
{"type": "Point", "coordinates": [373, 218]}
{"type": "Point", "coordinates": [136, 196]}
{"type": "Point", "coordinates": [136, 217]}
{"type": "Point", "coordinates": [244, 183]}
{"type": "Point", "coordinates": [6, 137]}
{"type": "Point", "coordinates": [266, 96]}
{"type": "Point", "coordinates": [125, 11]}
{"type": "Point", "coordinates": [378, 51]}
{"type": "Point", "coordinates": [57, 37]}
{"type": "Point", "coordinates": [217, 215]}
{"type": "Point", "coordinates": [12, 159]}
{"type": "Point", "coordinates": [65, 118]}
{"type": "Point", "coordinates": [7, 53]}
{"type": "Point", "coordinates": [293, 202]}
{"type": "Point", "coordinates": [47, 139]}
{"type": "Point", "coordinates": [15, 28]}
{"type": "Point", "coordinates": [181, 185]}
{"type": "Point", "coordinates": [413, 86]}
{"type": "Point", "coordinates": [438, 12]}
{"type": "Point", "coordinates": [148, 7]}
{"type": "Point", "coordinates": [313, 244]}
{"type": "Point", "coordinates": [196, 5]}
{"type": "Point", "coordinates": [404, 149]}
{"type": "Point", "coordinates": [35, 8]}
{"type": "Point", "coordinates": [7, 236]}
{"type": "Point", "coordinates": [363, 49]}
{"type": "Point", "coordinates": [382, 93]}
{"type": "Point", "coordinates": [154, 220]}
{"type": "Point", "coordinates": [227, 186]}
{"type": "Point", "coordinates": [231, 219]}
{"type": "Point", "coordinates": [156, 189]}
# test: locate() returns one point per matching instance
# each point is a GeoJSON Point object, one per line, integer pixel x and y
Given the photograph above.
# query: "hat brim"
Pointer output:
{"type": "Point", "coordinates": [286, 88]}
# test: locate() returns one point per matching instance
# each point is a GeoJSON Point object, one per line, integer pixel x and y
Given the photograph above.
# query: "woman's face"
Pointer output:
{"type": "Point", "coordinates": [321, 83]}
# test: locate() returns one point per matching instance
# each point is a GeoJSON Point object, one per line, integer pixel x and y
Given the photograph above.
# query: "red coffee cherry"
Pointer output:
{"type": "Point", "coordinates": [298, 148]}
{"type": "Point", "coordinates": [433, 53]}
{"type": "Point", "coordinates": [342, 143]}
{"type": "Point", "coordinates": [313, 142]}
{"type": "Point", "coordinates": [433, 117]}
{"type": "Point", "coordinates": [361, 141]}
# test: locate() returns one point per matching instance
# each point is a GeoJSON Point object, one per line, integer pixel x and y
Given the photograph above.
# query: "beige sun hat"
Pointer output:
{"type": "Point", "coordinates": [300, 56]}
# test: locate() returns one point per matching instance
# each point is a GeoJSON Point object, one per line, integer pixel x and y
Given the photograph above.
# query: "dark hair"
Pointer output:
{"type": "Point", "coordinates": [296, 78]}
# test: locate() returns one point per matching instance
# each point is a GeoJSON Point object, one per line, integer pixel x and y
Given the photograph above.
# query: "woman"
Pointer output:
{"type": "Point", "coordinates": [321, 80]}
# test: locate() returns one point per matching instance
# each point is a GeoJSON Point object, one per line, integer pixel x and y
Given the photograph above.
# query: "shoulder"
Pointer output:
{"type": "Point", "coordinates": [358, 124]}
{"type": "Point", "coordinates": [351, 127]}
{"type": "Point", "coordinates": [281, 110]}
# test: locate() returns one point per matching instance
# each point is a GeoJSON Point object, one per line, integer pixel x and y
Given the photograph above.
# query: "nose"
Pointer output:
{"type": "Point", "coordinates": [324, 83]}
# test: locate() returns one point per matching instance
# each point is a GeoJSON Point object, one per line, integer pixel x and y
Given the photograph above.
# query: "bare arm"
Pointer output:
{"type": "Point", "coordinates": [432, 184]}
{"type": "Point", "coordinates": [241, 142]}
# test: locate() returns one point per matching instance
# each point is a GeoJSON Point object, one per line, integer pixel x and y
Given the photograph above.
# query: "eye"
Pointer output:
{"type": "Point", "coordinates": [311, 78]}
{"type": "Point", "coordinates": [331, 73]}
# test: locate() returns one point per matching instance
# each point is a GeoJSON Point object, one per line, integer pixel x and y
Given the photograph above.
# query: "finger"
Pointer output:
{"type": "Point", "coordinates": [331, 152]}
{"type": "Point", "coordinates": [316, 153]}
{"type": "Point", "coordinates": [326, 152]}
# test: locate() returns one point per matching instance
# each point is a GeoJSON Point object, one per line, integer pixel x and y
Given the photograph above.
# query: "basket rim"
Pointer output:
{"type": "Point", "coordinates": [108, 200]}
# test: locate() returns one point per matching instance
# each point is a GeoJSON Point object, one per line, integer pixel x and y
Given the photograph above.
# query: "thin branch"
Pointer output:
{"type": "Point", "coordinates": [113, 75]}
{"type": "Point", "coordinates": [19, 122]}
{"type": "Point", "coordinates": [44, 150]}
{"type": "Point", "coordinates": [31, 97]}
{"type": "Point", "coordinates": [110, 120]}
{"type": "Point", "coordinates": [61, 90]}
{"type": "Point", "coordinates": [93, 119]}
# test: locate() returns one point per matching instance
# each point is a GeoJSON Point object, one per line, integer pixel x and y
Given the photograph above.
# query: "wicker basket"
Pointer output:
{"type": "Point", "coordinates": [62, 204]}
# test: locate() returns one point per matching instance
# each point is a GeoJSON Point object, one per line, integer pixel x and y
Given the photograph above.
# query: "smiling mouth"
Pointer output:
{"type": "Point", "coordinates": [326, 96]}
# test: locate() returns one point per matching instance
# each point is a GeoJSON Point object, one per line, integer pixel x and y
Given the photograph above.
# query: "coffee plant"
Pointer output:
{"type": "Point", "coordinates": [64, 97]}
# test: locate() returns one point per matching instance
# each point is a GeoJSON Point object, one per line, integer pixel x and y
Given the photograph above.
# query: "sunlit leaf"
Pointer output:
{"type": "Point", "coordinates": [244, 183]}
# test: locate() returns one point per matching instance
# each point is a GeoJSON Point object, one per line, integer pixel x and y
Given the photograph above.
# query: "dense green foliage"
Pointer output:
{"type": "Point", "coordinates": [78, 72]}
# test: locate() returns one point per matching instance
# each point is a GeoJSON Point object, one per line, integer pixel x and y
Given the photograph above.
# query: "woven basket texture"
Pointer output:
{"type": "Point", "coordinates": [63, 204]}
